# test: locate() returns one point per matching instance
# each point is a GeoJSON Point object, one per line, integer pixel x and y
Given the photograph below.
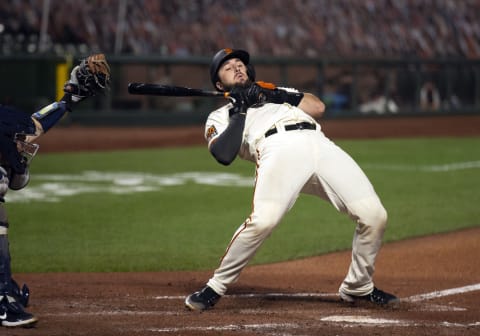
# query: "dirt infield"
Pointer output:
{"type": "Point", "coordinates": [437, 277]}
{"type": "Point", "coordinates": [292, 298]}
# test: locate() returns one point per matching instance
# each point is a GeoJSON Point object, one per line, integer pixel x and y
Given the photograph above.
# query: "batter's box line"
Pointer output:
{"type": "Point", "coordinates": [344, 321]}
{"type": "Point", "coordinates": [260, 296]}
{"type": "Point", "coordinates": [230, 327]}
{"type": "Point", "coordinates": [442, 293]}
{"type": "Point", "coordinates": [413, 298]}
{"type": "Point", "coordinates": [356, 320]}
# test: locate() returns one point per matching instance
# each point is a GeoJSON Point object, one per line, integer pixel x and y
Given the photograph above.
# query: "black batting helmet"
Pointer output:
{"type": "Point", "coordinates": [225, 54]}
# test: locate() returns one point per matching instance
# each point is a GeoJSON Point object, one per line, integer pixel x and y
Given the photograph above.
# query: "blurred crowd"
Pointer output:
{"type": "Point", "coordinates": [300, 28]}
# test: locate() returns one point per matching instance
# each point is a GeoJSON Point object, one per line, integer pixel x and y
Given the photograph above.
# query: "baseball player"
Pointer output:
{"type": "Point", "coordinates": [18, 130]}
{"type": "Point", "coordinates": [277, 129]}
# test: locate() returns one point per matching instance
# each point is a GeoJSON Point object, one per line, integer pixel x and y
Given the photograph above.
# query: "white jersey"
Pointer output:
{"type": "Point", "coordinates": [258, 121]}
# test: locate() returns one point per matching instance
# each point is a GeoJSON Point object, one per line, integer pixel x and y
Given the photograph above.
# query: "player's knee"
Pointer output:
{"type": "Point", "coordinates": [263, 227]}
{"type": "Point", "coordinates": [369, 212]}
{"type": "Point", "coordinates": [263, 222]}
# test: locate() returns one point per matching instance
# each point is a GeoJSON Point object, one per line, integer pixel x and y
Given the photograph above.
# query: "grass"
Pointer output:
{"type": "Point", "coordinates": [187, 225]}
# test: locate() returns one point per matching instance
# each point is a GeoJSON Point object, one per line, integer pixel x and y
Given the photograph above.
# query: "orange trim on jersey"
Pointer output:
{"type": "Point", "coordinates": [266, 85]}
{"type": "Point", "coordinates": [245, 224]}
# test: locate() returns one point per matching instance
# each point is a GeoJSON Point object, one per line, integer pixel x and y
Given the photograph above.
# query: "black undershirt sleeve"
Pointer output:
{"type": "Point", "coordinates": [226, 146]}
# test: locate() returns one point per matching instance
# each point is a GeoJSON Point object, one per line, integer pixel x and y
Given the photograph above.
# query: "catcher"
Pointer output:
{"type": "Point", "coordinates": [18, 130]}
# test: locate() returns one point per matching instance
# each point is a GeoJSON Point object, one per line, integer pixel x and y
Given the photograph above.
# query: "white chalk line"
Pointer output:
{"type": "Point", "coordinates": [442, 293]}
{"type": "Point", "coordinates": [426, 168]}
{"type": "Point", "coordinates": [345, 320]}
{"type": "Point", "coordinates": [414, 298]}
{"type": "Point", "coordinates": [55, 187]}
{"type": "Point", "coordinates": [355, 320]}
{"type": "Point", "coordinates": [439, 308]}
{"type": "Point", "coordinates": [231, 327]}
{"type": "Point", "coordinates": [259, 295]}
{"type": "Point", "coordinates": [365, 320]}
{"type": "Point", "coordinates": [114, 313]}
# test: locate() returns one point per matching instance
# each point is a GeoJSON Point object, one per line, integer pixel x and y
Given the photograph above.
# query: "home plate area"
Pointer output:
{"type": "Point", "coordinates": [436, 278]}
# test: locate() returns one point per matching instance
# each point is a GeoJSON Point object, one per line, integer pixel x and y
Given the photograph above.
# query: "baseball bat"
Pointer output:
{"type": "Point", "coordinates": [171, 90]}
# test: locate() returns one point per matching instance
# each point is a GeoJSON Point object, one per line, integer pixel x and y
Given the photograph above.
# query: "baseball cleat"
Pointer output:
{"type": "Point", "coordinates": [377, 296]}
{"type": "Point", "coordinates": [12, 314]}
{"type": "Point", "coordinates": [204, 299]}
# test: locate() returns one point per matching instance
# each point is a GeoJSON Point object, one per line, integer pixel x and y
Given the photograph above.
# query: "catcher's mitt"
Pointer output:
{"type": "Point", "coordinates": [89, 78]}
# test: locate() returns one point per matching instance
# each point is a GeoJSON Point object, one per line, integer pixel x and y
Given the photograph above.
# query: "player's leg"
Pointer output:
{"type": "Point", "coordinates": [282, 170]}
{"type": "Point", "coordinates": [347, 187]}
{"type": "Point", "coordinates": [12, 313]}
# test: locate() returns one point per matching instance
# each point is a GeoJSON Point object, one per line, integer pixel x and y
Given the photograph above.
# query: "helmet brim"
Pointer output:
{"type": "Point", "coordinates": [240, 54]}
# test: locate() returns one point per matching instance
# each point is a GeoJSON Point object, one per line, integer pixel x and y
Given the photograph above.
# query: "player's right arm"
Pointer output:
{"type": "Point", "coordinates": [224, 145]}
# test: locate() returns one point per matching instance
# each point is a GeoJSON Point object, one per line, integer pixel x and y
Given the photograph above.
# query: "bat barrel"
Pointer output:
{"type": "Point", "coordinates": [170, 90]}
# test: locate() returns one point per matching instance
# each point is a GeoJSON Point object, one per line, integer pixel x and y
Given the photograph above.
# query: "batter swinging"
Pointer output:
{"type": "Point", "coordinates": [277, 129]}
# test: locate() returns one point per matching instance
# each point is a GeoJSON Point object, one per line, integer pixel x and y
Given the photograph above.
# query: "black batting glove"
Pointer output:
{"type": "Point", "coordinates": [243, 97]}
{"type": "Point", "coordinates": [279, 96]}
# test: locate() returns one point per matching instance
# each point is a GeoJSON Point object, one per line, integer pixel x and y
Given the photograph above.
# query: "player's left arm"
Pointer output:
{"type": "Point", "coordinates": [312, 105]}
{"type": "Point", "coordinates": [307, 102]}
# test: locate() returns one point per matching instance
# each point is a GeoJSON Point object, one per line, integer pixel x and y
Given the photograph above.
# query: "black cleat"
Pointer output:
{"type": "Point", "coordinates": [202, 300]}
{"type": "Point", "coordinates": [377, 296]}
{"type": "Point", "coordinates": [12, 314]}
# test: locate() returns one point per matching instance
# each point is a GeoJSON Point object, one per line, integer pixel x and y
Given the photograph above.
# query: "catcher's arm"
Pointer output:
{"type": "Point", "coordinates": [90, 77]}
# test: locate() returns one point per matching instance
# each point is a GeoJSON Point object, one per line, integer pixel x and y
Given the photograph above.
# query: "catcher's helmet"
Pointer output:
{"type": "Point", "coordinates": [226, 54]}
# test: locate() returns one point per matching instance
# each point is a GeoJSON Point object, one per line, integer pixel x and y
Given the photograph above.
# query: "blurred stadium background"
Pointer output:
{"type": "Point", "coordinates": [363, 58]}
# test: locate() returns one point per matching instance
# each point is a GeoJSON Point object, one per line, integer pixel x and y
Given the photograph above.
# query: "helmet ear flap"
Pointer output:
{"type": "Point", "coordinates": [251, 72]}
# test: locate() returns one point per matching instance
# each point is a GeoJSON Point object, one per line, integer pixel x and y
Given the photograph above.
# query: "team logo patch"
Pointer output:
{"type": "Point", "coordinates": [211, 132]}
